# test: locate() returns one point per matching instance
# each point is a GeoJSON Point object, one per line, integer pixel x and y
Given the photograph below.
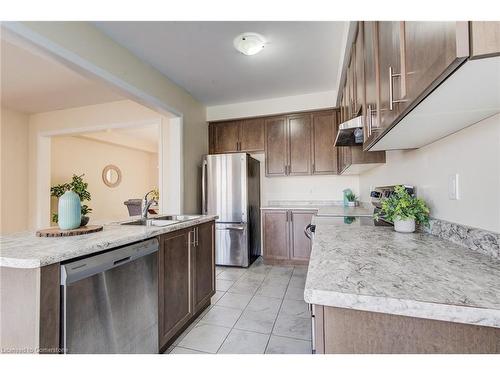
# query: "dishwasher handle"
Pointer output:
{"type": "Point", "coordinates": [74, 271]}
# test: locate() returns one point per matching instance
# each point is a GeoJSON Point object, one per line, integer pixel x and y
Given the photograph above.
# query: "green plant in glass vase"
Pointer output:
{"type": "Point", "coordinates": [79, 186]}
{"type": "Point", "coordinates": [404, 210]}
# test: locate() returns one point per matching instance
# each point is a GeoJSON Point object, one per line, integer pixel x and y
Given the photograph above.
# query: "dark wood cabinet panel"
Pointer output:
{"type": "Point", "coordinates": [299, 130]}
{"type": "Point", "coordinates": [276, 148]}
{"type": "Point", "coordinates": [204, 265]}
{"type": "Point", "coordinates": [300, 244]}
{"type": "Point", "coordinates": [252, 135]}
{"type": "Point", "coordinates": [348, 331]}
{"type": "Point", "coordinates": [359, 71]}
{"type": "Point", "coordinates": [485, 37]}
{"type": "Point", "coordinates": [174, 283]}
{"type": "Point", "coordinates": [226, 136]}
{"type": "Point", "coordinates": [284, 238]}
{"type": "Point", "coordinates": [275, 234]}
{"type": "Point", "coordinates": [392, 87]}
{"type": "Point", "coordinates": [324, 127]}
{"type": "Point", "coordinates": [430, 51]}
{"type": "Point", "coordinates": [372, 81]}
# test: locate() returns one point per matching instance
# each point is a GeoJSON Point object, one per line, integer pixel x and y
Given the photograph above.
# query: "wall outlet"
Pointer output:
{"type": "Point", "coordinates": [453, 187]}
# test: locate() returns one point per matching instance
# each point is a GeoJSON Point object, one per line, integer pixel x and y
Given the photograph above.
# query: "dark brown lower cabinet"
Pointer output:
{"type": "Point", "coordinates": [348, 331]}
{"type": "Point", "coordinates": [186, 278]}
{"type": "Point", "coordinates": [204, 265]}
{"type": "Point", "coordinates": [283, 236]}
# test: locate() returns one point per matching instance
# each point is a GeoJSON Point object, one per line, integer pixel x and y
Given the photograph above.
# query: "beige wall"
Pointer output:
{"type": "Point", "coordinates": [74, 120]}
{"type": "Point", "coordinates": [81, 44]}
{"type": "Point", "coordinates": [473, 153]}
{"type": "Point", "coordinates": [72, 155]}
{"type": "Point", "coordinates": [14, 171]}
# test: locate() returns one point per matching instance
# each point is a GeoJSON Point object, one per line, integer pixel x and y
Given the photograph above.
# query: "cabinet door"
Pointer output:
{"type": "Point", "coordinates": [276, 146]}
{"type": "Point", "coordinates": [275, 231]}
{"type": "Point", "coordinates": [371, 81]}
{"type": "Point", "coordinates": [431, 49]}
{"type": "Point", "coordinates": [301, 245]}
{"type": "Point", "coordinates": [392, 88]}
{"type": "Point", "coordinates": [324, 132]}
{"type": "Point", "coordinates": [359, 74]}
{"type": "Point", "coordinates": [485, 38]}
{"type": "Point", "coordinates": [252, 135]}
{"type": "Point", "coordinates": [174, 284]}
{"type": "Point", "coordinates": [299, 134]}
{"type": "Point", "coordinates": [204, 265]}
{"type": "Point", "coordinates": [226, 136]}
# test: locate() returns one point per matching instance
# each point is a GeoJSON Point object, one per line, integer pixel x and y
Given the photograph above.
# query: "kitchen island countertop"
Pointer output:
{"type": "Point", "coordinates": [26, 250]}
{"type": "Point", "coordinates": [419, 275]}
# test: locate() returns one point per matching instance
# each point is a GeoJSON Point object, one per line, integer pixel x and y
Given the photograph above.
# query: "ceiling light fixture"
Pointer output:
{"type": "Point", "coordinates": [249, 43]}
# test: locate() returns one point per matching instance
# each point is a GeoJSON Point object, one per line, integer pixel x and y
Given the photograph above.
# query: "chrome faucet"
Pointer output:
{"type": "Point", "coordinates": [146, 204]}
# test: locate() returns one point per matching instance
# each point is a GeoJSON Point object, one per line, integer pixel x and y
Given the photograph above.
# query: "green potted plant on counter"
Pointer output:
{"type": "Point", "coordinates": [404, 211]}
{"type": "Point", "coordinates": [78, 186]}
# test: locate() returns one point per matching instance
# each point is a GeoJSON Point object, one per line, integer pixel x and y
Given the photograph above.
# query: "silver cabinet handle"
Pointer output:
{"type": "Point", "coordinates": [393, 75]}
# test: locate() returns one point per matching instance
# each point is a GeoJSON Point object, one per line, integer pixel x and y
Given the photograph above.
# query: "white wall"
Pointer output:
{"type": "Point", "coordinates": [473, 153]}
{"type": "Point", "coordinates": [14, 171]}
{"type": "Point", "coordinates": [303, 187]}
{"type": "Point", "coordinates": [317, 100]}
{"type": "Point", "coordinates": [75, 155]}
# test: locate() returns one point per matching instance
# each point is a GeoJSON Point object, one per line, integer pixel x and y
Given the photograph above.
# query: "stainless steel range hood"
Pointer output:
{"type": "Point", "coordinates": [346, 135]}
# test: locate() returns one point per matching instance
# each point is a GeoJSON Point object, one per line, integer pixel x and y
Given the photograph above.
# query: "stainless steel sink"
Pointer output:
{"type": "Point", "coordinates": [162, 221]}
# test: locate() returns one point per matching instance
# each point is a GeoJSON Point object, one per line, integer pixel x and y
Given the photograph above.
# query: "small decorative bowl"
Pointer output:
{"type": "Point", "coordinates": [85, 221]}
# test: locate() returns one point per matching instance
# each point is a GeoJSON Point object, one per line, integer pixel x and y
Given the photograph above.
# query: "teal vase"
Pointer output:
{"type": "Point", "coordinates": [69, 211]}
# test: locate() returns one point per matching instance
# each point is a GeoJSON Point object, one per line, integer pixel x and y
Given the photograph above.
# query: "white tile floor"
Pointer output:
{"type": "Point", "coordinates": [254, 311]}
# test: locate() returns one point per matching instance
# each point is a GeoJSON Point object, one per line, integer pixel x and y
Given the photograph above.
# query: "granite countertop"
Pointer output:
{"type": "Point", "coordinates": [362, 210]}
{"type": "Point", "coordinates": [299, 205]}
{"type": "Point", "coordinates": [419, 275]}
{"type": "Point", "coordinates": [25, 250]}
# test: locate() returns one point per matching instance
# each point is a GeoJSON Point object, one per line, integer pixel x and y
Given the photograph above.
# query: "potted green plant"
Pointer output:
{"type": "Point", "coordinates": [404, 210]}
{"type": "Point", "coordinates": [352, 200]}
{"type": "Point", "coordinates": [79, 186]}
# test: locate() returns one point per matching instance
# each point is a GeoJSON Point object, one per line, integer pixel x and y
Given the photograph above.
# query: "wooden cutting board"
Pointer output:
{"type": "Point", "coordinates": [56, 232]}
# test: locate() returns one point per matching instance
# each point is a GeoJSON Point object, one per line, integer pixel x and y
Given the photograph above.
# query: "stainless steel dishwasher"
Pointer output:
{"type": "Point", "coordinates": [110, 301]}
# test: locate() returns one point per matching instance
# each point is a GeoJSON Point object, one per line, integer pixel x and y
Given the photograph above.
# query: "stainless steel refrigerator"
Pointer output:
{"type": "Point", "coordinates": [231, 190]}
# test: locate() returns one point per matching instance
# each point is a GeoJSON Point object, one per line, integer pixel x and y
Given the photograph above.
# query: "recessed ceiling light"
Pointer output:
{"type": "Point", "coordinates": [249, 43]}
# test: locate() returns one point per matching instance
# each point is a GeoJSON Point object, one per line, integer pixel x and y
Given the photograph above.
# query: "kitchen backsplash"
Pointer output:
{"type": "Point", "coordinates": [479, 240]}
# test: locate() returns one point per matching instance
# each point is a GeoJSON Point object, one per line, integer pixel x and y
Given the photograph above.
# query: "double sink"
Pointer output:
{"type": "Point", "coordinates": [162, 221]}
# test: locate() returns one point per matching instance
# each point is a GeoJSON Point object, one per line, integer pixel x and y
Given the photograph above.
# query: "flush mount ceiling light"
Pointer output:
{"type": "Point", "coordinates": [249, 43]}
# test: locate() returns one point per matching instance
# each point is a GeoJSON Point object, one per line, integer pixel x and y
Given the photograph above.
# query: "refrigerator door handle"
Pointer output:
{"type": "Point", "coordinates": [204, 187]}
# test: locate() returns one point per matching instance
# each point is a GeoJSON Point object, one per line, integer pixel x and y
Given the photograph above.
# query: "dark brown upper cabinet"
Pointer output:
{"type": "Point", "coordinates": [391, 70]}
{"type": "Point", "coordinates": [276, 146]}
{"type": "Point", "coordinates": [225, 136]}
{"type": "Point", "coordinates": [236, 136]}
{"type": "Point", "coordinates": [431, 51]}
{"type": "Point", "coordinates": [324, 130]}
{"type": "Point", "coordinates": [252, 135]}
{"type": "Point", "coordinates": [371, 81]}
{"type": "Point", "coordinates": [299, 144]}
{"type": "Point", "coordinates": [485, 39]}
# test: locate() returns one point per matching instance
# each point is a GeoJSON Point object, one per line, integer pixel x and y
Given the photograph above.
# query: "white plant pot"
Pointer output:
{"type": "Point", "coordinates": [404, 226]}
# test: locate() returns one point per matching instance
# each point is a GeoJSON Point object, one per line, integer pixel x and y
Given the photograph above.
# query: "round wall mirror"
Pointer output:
{"type": "Point", "coordinates": [111, 175]}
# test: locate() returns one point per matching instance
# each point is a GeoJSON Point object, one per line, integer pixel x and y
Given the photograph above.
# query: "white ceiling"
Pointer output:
{"type": "Point", "coordinates": [144, 138]}
{"type": "Point", "coordinates": [300, 58]}
{"type": "Point", "coordinates": [32, 82]}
